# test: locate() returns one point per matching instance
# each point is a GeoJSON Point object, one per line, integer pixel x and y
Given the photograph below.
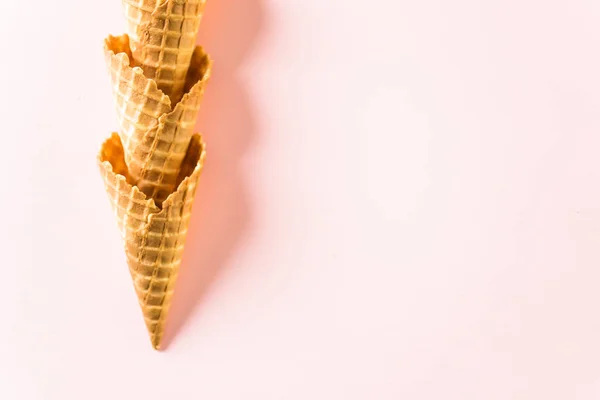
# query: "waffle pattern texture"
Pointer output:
{"type": "Point", "coordinates": [163, 36]}
{"type": "Point", "coordinates": [152, 165]}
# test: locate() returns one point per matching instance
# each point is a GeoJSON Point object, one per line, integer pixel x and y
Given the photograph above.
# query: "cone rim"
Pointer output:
{"type": "Point", "coordinates": [128, 63]}
{"type": "Point", "coordinates": [198, 165]}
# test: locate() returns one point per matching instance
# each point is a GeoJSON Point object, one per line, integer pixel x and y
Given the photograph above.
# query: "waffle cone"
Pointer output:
{"type": "Point", "coordinates": [154, 238]}
{"type": "Point", "coordinates": [163, 36]}
{"type": "Point", "coordinates": [155, 135]}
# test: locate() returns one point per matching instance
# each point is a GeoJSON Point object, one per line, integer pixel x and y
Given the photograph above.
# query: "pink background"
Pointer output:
{"type": "Point", "coordinates": [401, 201]}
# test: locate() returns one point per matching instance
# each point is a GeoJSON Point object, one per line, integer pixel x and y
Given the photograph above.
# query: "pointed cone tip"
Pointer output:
{"type": "Point", "coordinates": [156, 344]}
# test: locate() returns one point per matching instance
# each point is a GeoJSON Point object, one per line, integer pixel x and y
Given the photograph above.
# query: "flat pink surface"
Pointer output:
{"type": "Point", "coordinates": [401, 201]}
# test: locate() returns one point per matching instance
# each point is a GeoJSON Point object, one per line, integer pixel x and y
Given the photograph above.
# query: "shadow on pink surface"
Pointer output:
{"type": "Point", "coordinates": [221, 210]}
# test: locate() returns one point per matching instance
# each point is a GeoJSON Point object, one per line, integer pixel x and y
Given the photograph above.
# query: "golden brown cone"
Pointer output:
{"type": "Point", "coordinates": [163, 36]}
{"type": "Point", "coordinates": [155, 136]}
{"type": "Point", "coordinates": [154, 238]}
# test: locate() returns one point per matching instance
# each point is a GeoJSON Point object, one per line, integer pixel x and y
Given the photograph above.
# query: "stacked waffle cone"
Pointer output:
{"type": "Point", "coordinates": [152, 165]}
